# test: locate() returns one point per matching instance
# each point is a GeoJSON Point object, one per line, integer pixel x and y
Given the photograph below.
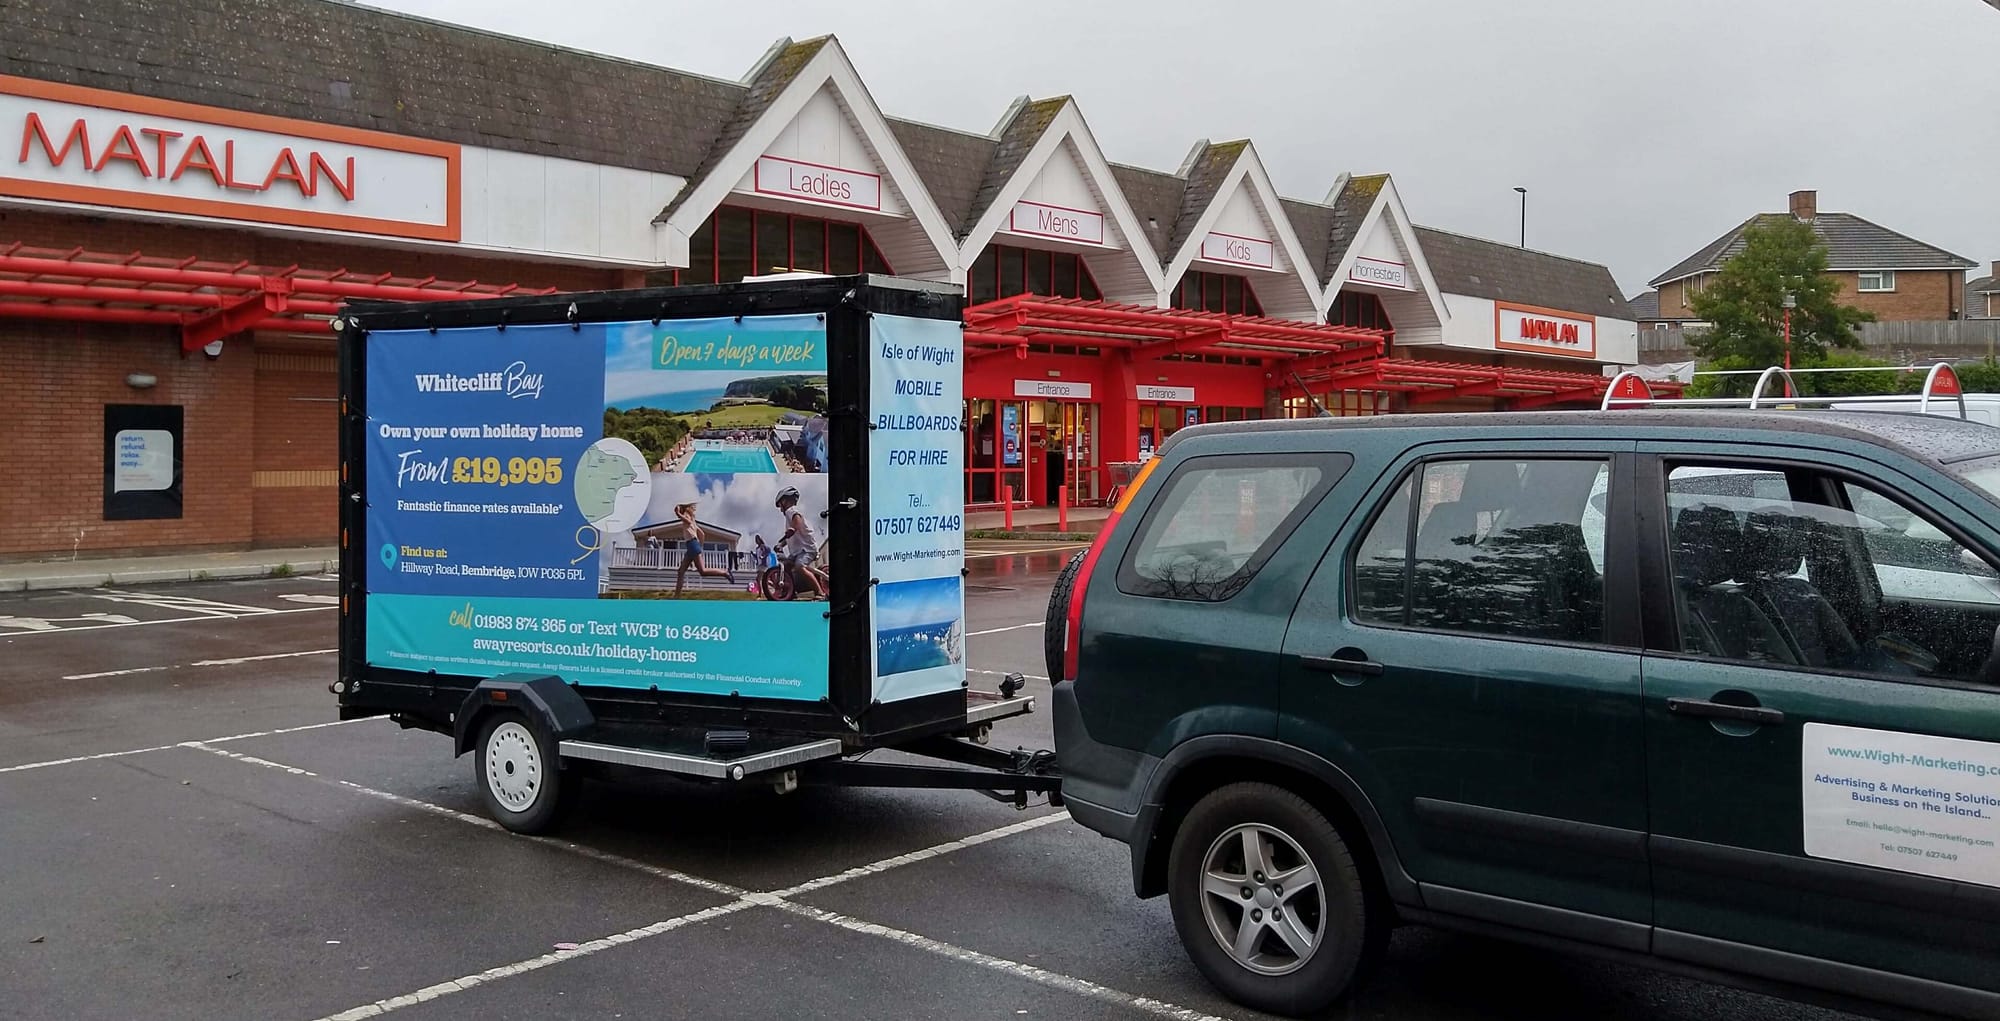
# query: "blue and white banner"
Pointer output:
{"type": "Point", "coordinates": [621, 504]}
{"type": "Point", "coordinates": [916, 501]}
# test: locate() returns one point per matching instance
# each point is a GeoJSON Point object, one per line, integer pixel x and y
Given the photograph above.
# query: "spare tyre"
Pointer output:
{"type": "Point", "coordinates": [1057, 616]}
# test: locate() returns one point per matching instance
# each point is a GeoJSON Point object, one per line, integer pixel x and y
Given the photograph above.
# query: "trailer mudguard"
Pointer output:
{"type": "Point", "coordinates": [548, 701]}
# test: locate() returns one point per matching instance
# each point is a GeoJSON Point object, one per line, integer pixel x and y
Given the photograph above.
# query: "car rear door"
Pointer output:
{"type": "Point", "coordinates": [1822, 729]}
{"type": "Point", "coordinates": [1467, 651]}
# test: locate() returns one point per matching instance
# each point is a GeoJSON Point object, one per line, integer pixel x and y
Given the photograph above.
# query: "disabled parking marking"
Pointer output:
{"type": "Point", "coordinates": [38, 624]}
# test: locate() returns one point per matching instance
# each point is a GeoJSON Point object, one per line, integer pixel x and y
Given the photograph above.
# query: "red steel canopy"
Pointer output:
{"type": "Point", "coordinates": [207, 300]}
{"type": "Point", "coordinates": [1340, 357]}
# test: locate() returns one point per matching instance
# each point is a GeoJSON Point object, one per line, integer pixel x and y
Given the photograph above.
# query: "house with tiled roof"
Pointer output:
{"type": "Point", "coordinates": [1982, 295]}
{"type": "Point", "coordinates": [1883, 271]}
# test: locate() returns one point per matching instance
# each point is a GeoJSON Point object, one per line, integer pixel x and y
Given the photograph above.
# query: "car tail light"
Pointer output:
{"type": "Point", "coordinates": [1073, 619]}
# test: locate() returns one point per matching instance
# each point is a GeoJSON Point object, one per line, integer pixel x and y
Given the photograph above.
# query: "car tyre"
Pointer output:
{"type": "Point", "coordinates": [520, 774]}
{"type": "Point", "coordinates": [1295, 951]}
{"type": "Point", "coordinates": [1057, 616]}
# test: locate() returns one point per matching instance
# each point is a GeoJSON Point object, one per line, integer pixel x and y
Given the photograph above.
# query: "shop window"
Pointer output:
{"type": "Point", "coordinates": [1002, 271]}
{"type": "Point", "coordinates": [1216, 292]}
{"type": "Point", "coordinates": [736, 243]}
{"type": "Point", "coordinates": [1355, 308]}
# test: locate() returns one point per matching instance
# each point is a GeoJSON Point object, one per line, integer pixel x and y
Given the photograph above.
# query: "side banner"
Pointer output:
{"type": "Point", "coordinates": [1909, 802]}
{"type": "Point", "coordinates": [621, 504]}
{"type": "Point", "coordinates": [916, 506]}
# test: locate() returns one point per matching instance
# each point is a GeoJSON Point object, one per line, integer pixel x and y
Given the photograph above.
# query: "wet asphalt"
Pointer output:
{"type": "Point", "coordinates": [184, 833]}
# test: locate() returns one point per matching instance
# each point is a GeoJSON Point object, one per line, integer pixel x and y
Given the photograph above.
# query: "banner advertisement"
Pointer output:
{"type": "Point", "coordinates": [620, 504]}
{"type": "Point", "coordinates": [1909, 802]}
{"type": "Point", "coordinates": [916, 501]}
{"type": "Point", "coordinates": [1010, 433]}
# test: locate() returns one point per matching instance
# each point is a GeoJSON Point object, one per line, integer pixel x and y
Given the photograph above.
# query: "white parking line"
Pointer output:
{"type": "Point", "coordinates": [997, 630]}
{"type": "Point", "coordinates": [459, 985]}
{"type": "Point", "coordinates": [237, 661]}
{"type": "Point", "coordinates": [743, 900]}
{"type": "Point", "coordinates": [169, 747]}
{"type": "Point", "coordinates": [1039, 976]}
{"type": "Point", "coordinates": [986, 553]}
{"type": "Point", "coordinates": [218, 615]}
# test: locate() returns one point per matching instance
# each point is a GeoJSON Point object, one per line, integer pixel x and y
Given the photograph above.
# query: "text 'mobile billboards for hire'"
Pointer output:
{"type": "Point", "coordinates": [642, 505]}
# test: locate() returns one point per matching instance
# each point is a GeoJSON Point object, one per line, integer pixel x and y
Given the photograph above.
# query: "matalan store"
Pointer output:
{"type": "Point", "coordinates": [174, 240]}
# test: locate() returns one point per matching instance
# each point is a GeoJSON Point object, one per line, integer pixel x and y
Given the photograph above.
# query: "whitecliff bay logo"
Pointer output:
{"type": "Point", "coordinates": [514, 381]}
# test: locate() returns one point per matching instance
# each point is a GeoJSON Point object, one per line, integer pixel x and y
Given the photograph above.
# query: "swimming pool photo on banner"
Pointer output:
{"type": "Point", "coordinates": [671, 393]}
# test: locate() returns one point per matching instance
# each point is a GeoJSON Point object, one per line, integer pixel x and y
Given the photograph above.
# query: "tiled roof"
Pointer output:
{"type": "Point", "coordinates": [1350, 207]}
{"type": "Point", "coordinates": [1313, 223]}
{"type": "Point", "coordinates": [1204, 179]}
{"type": "Point", "coordinates": [1852, 243]}
{"type": "Point", "coordinates": [1976, 294]}
{"type": "Point", "coordinates": [779, 68]}
{"type": "Point", "coordinates": [1019, 135]}
{"type": "Point", "coordinates": [1645, 305]}
{"type": "Point", "coordinates": [1156, 200]}
{"type": "Point", "coordinates": [951, 164]}
{"type": "Point", "coordinates": [344, 64]}
{"type": "Point", "coordinates": [1503, 272]}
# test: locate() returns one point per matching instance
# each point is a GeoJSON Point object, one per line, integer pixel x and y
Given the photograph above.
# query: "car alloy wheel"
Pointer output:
{"type": "Point", "coordinates": [1261, 898]}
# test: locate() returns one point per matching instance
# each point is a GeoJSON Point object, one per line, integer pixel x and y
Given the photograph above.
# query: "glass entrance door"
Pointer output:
{"type": "Point", "coordinates": [996, 455]}
{"type": "Point", "coordinates": [1079, 444]}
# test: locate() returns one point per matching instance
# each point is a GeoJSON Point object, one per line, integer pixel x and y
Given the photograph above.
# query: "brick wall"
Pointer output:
{"type": "Point", "coordinates": [57, 377]}
{"type": "Point", "coordinates": [260, 449]}
{"type": "Point", "coordinates": [1918, 296]}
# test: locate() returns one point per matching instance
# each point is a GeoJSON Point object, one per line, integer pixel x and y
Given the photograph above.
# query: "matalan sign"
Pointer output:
{"type": "Point", "coordinates": [1240, 251]}
{"type": "Point", "coordinates": [1043, 220]}
{"type": "Point", "coordinates": [1543, 331]}
{"type": "Point", "coordinates": [61, 143]}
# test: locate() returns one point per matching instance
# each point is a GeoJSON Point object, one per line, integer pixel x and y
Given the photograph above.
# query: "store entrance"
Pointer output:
{"type": "Point", "coordinates": [1159, 421]}
{"type": "Point", "coordinates": [1063, 451]}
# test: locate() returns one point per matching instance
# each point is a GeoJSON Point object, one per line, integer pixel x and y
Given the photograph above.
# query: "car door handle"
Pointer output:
{"type": "Point", "coordinates": [1339, 665]}
{"type": "Point", "coordinates": [1704, 709]}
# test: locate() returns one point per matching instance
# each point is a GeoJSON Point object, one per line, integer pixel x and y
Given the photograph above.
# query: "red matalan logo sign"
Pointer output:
{"type": "Point", "coordinates": [1535, 330]}
{"type": "Point", "coordinates": [1064, 224]}
{"type": "Point", "coordinates": [62, 143]}
{"type": "Point", "coordinates": [812, 182]}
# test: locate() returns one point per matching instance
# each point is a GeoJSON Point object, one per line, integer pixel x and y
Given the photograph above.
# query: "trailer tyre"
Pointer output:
{"type": "Point", "coordinates": [1058, 615]}
{"type": "Point", "coordinates": [520, 774]}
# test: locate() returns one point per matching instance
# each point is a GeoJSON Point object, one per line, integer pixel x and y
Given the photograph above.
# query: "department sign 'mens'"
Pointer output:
{"type": "Point", "coordinates": [62, 143]}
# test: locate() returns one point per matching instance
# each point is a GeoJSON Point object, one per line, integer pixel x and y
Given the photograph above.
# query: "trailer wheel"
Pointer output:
{"type": "Point", "coordinates": [520, 774]}
{"type": "Point", "coordinates": [1058, 615]}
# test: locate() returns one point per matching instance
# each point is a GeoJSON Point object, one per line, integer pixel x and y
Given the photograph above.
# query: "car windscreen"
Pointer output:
{"type": "Point", "coordinates": [1982, 473]}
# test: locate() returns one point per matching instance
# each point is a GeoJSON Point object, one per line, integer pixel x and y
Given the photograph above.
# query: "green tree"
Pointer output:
{"type": "Point", "coordinates": [1744, 302]}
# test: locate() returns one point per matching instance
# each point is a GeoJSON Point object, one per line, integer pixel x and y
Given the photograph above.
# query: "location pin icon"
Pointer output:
{"type": "Point", "coordinates": [389, 555]}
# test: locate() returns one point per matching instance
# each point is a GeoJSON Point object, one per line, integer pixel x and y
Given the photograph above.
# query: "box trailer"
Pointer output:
{"type": "Point", "coordinates": [714, 531]}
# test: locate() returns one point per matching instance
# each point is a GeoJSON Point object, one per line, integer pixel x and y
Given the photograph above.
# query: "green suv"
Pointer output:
{"type": "Point", "coordinates": [1715, 691]}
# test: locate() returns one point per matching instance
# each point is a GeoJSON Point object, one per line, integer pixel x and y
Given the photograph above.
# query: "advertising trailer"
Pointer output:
{"type": "Point", "coordinates": [715, 531]}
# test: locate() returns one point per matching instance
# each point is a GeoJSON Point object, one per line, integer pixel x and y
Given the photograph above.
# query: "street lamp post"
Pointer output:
{"type": "Point", "coordinates": [1791, 302]}
{"type": "Point", "coordinates": [1523, 192]}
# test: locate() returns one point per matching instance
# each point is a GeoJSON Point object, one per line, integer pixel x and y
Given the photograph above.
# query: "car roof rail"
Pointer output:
{"type": "Point", "coordinates": [1941, 382]}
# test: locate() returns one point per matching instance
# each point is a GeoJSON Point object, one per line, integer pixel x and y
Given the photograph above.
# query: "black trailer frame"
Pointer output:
{"type": "Point", "coordinates": [720, 737]}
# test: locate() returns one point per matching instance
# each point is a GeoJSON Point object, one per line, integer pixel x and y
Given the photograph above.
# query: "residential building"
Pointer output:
{"type": "Point", "coordinates": [1982, 295]}
{"type": "Point", "coordinates": [1891, 274]}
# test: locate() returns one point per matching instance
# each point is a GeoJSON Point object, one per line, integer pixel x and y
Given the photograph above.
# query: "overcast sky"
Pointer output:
{"type": "Point", "coordinates": [1642, 130]}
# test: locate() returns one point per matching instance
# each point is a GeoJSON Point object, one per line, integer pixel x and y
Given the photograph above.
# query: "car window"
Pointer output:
{"type": "Point", "coordinates": [1218, 518]}
{"type": "Point", "coordinates": [1872, 588]}
{"type": "Point", "coordinates": [1488, 546]}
